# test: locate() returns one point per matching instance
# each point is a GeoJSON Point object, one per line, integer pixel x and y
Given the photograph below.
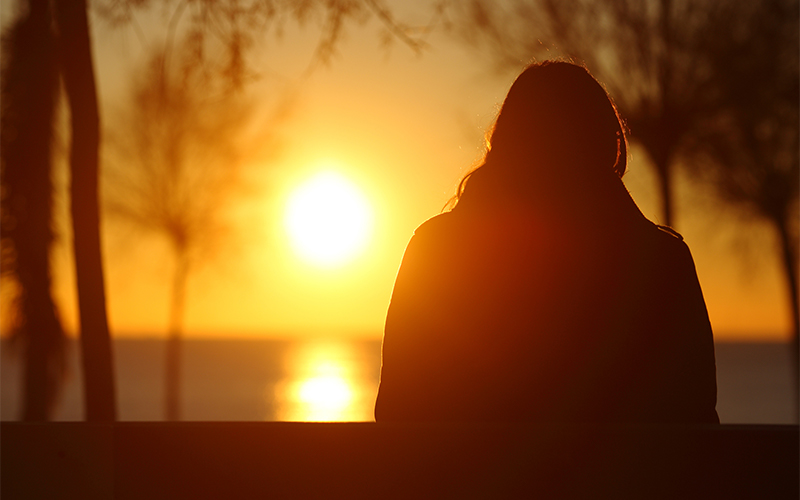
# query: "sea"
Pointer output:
{"type": "Point", "coordinates": [335, 379]}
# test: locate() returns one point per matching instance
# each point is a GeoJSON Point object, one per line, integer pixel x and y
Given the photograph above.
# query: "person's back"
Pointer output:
{"type": "Point", "coordinates": [511, 320]}
{"type": "Point", "coordinates": [547, 308]}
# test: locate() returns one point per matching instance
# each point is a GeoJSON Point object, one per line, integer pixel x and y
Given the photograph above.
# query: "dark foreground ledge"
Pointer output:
{"type": "Point", "coordinates": [366, 460]}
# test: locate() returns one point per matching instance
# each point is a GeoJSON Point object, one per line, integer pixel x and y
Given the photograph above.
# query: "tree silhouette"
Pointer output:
{"type": "Point", "coordinates": [29, 96]}
{"type": "Point", "coordinates": [750, 147]}
{"type": "Point", "coordinates": [182, 140]}
{"type": "Point", "coordinates": [77, 71]}
{"type": "Point", "coordinates": [235, 25]}
{"type": "Point", "coordinates": [175, 162]}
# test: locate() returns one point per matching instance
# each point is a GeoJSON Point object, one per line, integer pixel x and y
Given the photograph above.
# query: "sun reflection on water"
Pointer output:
{"type": "Point", "coordinates": [323, 384]}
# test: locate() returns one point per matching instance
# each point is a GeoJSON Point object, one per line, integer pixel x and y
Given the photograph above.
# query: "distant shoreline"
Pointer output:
{"type": "Point", "coordinates": [727, 337]}
{"type": "Point", "coordinates": [246, 379]}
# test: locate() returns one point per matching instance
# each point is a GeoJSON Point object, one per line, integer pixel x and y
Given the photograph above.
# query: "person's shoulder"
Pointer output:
{"type": "Point", "coordinates": [669, 243]}
{"type": "Point", "coordinates": [660, 238]}
{"type": "Point", "coordinates": [435, 224]}
{"type": "Point", "coordinates": [669, 232]}
{"type": "Point", "coordinates": [430, 238]}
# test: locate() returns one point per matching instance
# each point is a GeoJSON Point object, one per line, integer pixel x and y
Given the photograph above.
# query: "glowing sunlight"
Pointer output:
{"type": "Point", "coordinates": [328, 220]}
{"type": "Point", "coordinates": [325, 396]}
{"type": "Point", "coordinates": [323, 385]}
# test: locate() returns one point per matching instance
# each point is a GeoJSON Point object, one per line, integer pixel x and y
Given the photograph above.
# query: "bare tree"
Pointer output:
{"type": "Point", "coordinates": [177, 150]}
{"type": "Point", "coordinates": [644, 52]}
{"type": "Point", "coordinates": [29, 96]}
{"type": "Point", "coordinates": [233, 24]}
{"type": "Point", "coordinates": [176, 157]}
{"type": "Point", "coordinates": [77, 71]}
{"type": "Point", "coordinates": [750, 146]}
{"type": "Point", "coordinates": [236, 27]}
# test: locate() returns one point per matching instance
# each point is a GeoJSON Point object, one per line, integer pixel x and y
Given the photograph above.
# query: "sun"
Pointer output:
{"type": "Point", "coordinates": [328, 220]}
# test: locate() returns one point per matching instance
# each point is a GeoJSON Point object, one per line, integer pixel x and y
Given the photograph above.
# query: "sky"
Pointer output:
{"type": "Point", "coordinates": [401, 128]}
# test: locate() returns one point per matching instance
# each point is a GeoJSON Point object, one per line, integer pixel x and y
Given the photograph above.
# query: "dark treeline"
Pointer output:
{"type": "Point", "coordinates": [29, 96]}
{"type": "Point", "coordinates": [49, 42]}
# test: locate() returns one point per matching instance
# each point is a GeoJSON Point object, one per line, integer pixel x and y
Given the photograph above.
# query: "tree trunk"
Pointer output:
{"type": "Point", "coordinates": [29, 85]}
{"type": "Point", "coordinates": [656, 138]}
{"type": "Point", "coordinates": [664, 174]}
{"type": "Point", "coordinates": [651, 136]}
{"type": "Point", "coordinates": [666, 129]}
{"type": "Point", "coordinates": [790, 271]}
{"type": "Point", "coordinates": [172, 372]}
{"type": "Point", "coordinates": [43, 336]}
{"type": "Point", "coordinates": [78, 74]}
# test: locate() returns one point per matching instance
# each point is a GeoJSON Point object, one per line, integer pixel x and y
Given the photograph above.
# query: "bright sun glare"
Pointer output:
{"type": "Point", "coordinates": [328, 219]}
{"type": "Point", "coordinates": [321, 385]}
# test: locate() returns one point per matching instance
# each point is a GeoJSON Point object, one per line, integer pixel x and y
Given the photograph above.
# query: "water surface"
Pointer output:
{"type": "Point", "coordinates": [337, 380]}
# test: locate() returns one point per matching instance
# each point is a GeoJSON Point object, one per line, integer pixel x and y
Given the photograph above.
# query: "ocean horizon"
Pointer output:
{"type": "Point", "coordinates": [336, 379]}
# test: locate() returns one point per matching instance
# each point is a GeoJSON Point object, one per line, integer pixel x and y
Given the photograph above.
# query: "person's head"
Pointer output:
{"type": "Point", "coordinates": [557, 126]}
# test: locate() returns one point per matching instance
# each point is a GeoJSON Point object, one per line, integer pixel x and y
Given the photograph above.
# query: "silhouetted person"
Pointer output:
{"type": "Point", "coordinates": [545, 294]}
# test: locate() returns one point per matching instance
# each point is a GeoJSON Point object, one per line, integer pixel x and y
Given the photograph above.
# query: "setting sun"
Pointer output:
{"type": "Point", "coordinates": [328, 219]}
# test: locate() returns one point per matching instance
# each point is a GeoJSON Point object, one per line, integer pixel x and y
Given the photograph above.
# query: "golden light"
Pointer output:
{"type": "Point", "coordinates": [328, 220]}
{"type": "Point", "coordinates": [325, 397]}
{"type": "Point", "coordinates": [322, 385]}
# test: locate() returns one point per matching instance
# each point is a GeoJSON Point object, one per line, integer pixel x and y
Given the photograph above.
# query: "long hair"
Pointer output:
{"type": "Point", "coordinates": [557, 127]}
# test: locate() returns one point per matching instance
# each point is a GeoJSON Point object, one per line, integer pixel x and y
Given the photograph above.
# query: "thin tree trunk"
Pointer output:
{"type": "Point", "coordinates": [665, 146]}
{"type": "Point", "coordinates": [172, 370]}
{"type": "Point", "coordinates": [665, 189]}
{"type": "Point", "coordinates": [44, 341]}
{"type": "Point", "coordinates": [652, 135]}
{"type": "Point", "coordinates": [30, 81]}
{"type": "Point", "coordinates": [790, 271]}
{"type": "Point", "coordinates": [78, 74]}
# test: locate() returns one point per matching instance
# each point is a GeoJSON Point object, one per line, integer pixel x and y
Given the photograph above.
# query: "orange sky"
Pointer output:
{"type": "Point", "coordinates": [404, 128]}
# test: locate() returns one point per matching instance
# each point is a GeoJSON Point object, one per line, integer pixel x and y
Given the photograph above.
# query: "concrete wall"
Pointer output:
{"type": "Point", "coordinates": [370, 461]}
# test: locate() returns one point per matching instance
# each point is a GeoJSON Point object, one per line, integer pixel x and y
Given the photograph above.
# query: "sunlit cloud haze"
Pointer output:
{"type": "Point", "coordinates": [403, 128]}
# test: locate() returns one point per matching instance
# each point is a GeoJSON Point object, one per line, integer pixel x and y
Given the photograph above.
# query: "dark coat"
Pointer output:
{"type": "Point", "coordinates": [515, 314]}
